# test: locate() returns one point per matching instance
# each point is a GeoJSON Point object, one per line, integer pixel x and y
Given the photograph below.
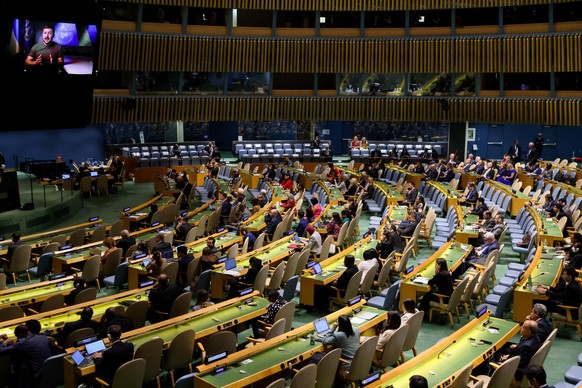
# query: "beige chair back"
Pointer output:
{"type": "Point", "coordinates": [462, 380]}
{"type": "Point", "coordinates": [99, 234]}
{"type": "Point", "coordinates": [180, 352]}
{"type": "Point", "coordinates": [91, 270]}
{"type": "Point", "coordinates": [77, 335]}
{"type": "Point", "coordinates": [232, 251]}
{"type": "Point", "coordinates": [274, 282]}
{"type": "Point", "coordinates": [325, 246]}
{"type": "Point", "coordinates": [302, 261]}
{"type": "Point", "coordinates": [151, 352]}
{"type": "Point", "coordinates": [51, 247]}
{"type": "Point", "coordinates": [305, 377]}
{"type": "Point", "coordinates": [137, 311]}
{"type": "Point", "coordinates": [290, 267]}
{"type": "Point", "coordinates": [260, 241]}
{"type": "Point", "coordinates": [261, 279]}
{"type": "Point", "coordinates": [393, 347]}
{"type": "Point", "coordinates": [413, 323]}
{"type": "Point", "coordinates": [503, 376]}
{"type": "Point", "coordinates": [287, 311]}
{"type": "Point", "coordinates": [171, 269]}
{"type": "Point", "coordinates": [383, 280]}
{"type": "Point", "coordinates": [368, 280]}
{"type": "Point", "coordinates": [181, 305]}
{"type": "Point", "coordinates": [112, 261]}
{"type": "Point", "coordinates": [3, 285]}
{"type": "Point", "coordinates": [130, 375]}
{"type": "Point", "coordinates": [61, 239]}
{"type": "Point", "coordinates": [86, 295]}
{"type": "Point", "coordinates": [326, 369]}
{"type": "Point", "coordinates": [77, 238]}
{"type": "Point", "coordinates": [277, 329]}
{"type": "Point", "coordinates": [116, 228]}
{"type": "Point", "coordinates": [11, 312]}
{"type": "Point", "coordinates": [362, 360]}
{"type": "Point", "coordinates": [245, 247]}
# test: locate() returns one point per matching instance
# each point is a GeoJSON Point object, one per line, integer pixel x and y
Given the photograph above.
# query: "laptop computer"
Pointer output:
{"type": "Point", "coordinates": [94, 347]}
{"type": "Point", "coordinates": [231, 264]}
{"type": "Point", "coordinates": [80, 360]}
{"type": "Point", "coordinates": [94, 173]}
{"type": "Point", "coordinates": [321, 326]}
{"type": "Point", "coordinates": [146, 262]}
{"type": "Point", "coordinates": [316, 268]}
{"type": "Point", "coordinates": [168, 254]}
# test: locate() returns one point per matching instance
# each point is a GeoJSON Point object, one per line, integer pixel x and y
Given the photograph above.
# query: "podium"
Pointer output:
{"type": "Point", "coordinates": [9, 193]}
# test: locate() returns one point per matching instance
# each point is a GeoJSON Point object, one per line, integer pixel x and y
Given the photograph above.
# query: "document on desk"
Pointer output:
{"type": "Point", "coordinates": [357, 321]}
{"type": "Point", "coordinates": [420, 280]}
{"type": "Point", "coordinates": [367, 315]}
{"type": "Point", "coordinates": [232, 272]}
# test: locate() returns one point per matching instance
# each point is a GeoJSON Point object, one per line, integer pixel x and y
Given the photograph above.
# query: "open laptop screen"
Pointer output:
{"type": "Point", "coordinates": [94, 347]}
{"type": "Point", "coordinates": [230, 264]}
{"type": "Point", "coordinates": [316, 269]}
{"type": "Point", "coordinates": [321, 326]}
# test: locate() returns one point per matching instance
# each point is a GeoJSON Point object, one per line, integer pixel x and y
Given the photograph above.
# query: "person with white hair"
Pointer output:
{"type": "Point", "coordinates": [479, 254]}
{"type": "Point", "coordinates": [125, 242]}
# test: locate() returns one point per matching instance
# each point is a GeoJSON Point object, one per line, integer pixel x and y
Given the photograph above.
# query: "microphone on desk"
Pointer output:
{"type": "Point", "coordinates": [446, 347]}
{"type": "Point", "coordinates": [530, 279]}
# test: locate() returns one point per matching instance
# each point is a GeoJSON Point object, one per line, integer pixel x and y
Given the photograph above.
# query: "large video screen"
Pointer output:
{"type": "Point", "coordinates": [49, 63]}
{"type": "Point", "coordinates": [58, 47]}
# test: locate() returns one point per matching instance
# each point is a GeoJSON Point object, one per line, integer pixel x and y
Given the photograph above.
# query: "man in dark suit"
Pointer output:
{"type": "Point", "coordinates": [111, 317]}
{"type": "Point", "coordinates": [162, 297]}
{"type": "Point", "coordinates": [515, 152]}
{"type": "Point", "coordinates": [125, 241]}
{"type": "Point", "coordinates": [15, 244]}
{"type": "Point", "coordinates": [29, 351]}
{"type": "Point", "coordinates": [109, 361]}
{"type": "Point", "coordinates": [489, 171]}
{"type": "Point", "coordinates": [406, 227]}
{"type": "Point", "coordinates": [161, 244]}
{"type": "Point", "coordinates": [567, 293]}
{"type": "Point", "coordinates": [525, 348]}
{"type": "Point", "coordinates": [342, 282]}
{"type": "Point", "coordinates": [182, 228]}
{"type": "Point", "coordinates": [83, 322]}
{"type": "Point", "coordinates": [538, 314]}
{"type": "Point", "coordinates": [472, 195]}
{"type": "Point", "coordinates": [411, 193]}
{"type": "Point", "coordinates": [480, 207]}
{"type": "Point", "coordinates": [272, 219]}
{"type": "Point", "coordinates": [536, 376]}
{"type": "Point", "coordinates": [532, 155]}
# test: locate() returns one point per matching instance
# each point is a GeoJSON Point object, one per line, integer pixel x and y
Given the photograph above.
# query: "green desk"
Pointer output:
{"type": "Point", "coordinates": [335, 196]}
{"type": "Point", "coordinates": [273, 357]}
{"type": "Point", "coordinates": [204, 322]}
{"type": "Point", "coordinates": [550, 232]}
{"type": "Point", "coordinates": [256, 222]}
{"type": "Point", "coordinates": [442, 363]}
{"type": "Point", "coordinates": [39, 240]}
{"type": "Point", "coordinates": [467, 231]}
{"type": "Point", "coordinates": [132, 216]}
{"type": "Point", "coordinates": [545, 268]}
{"type": "Point", "coordinates": [392, 196]}
{"type": "Point", "coordinates": [453, 196]}
{"type": "Point", "coordinates": [270, 254]}
{"type": "Point", "coordinates": [56, 319]}
{"type": "Point", "coordinates": [332, 269]}
{"type": "Point", "coordinates": [39, 292]}
{"type": "Point", "coordinates": [453, 252]}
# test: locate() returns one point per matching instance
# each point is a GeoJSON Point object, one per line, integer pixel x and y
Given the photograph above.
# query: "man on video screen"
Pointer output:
{"type": "Point", "coordinates": [46, 54]}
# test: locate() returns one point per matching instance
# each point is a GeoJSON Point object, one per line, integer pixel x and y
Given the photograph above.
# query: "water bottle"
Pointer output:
{"type": "Point", "coordinates": [312, 339]}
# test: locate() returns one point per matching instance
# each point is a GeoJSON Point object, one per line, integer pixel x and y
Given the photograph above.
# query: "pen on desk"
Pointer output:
{"type": "Point", "coordinates": [493, 327]}
{"type": "Point", "coordinates": [486, 342]}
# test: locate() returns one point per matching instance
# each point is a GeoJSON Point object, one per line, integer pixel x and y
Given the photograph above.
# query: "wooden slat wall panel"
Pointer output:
{"type": "Point", "coordinates": [343, 5]}
{"type": "Point", "coordinates": [220, 108]}
{"type": "Point", "coordinates": [147, 52]}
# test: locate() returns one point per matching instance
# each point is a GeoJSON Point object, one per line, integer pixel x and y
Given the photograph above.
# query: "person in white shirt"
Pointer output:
{"type": "Point", "coordinates": [370, 260]}
{"type": "Point", "coordinates": [409, 307]}
{"type": "Point", "coordinates": [314, 239]}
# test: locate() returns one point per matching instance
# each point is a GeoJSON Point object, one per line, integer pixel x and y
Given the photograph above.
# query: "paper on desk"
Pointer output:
{"type": "Point", "coordinates": [247, 361]}
{"type": "Point", "coordinates": [357, 321]}
{"type": "Point", "coordinates": [493, 331]}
